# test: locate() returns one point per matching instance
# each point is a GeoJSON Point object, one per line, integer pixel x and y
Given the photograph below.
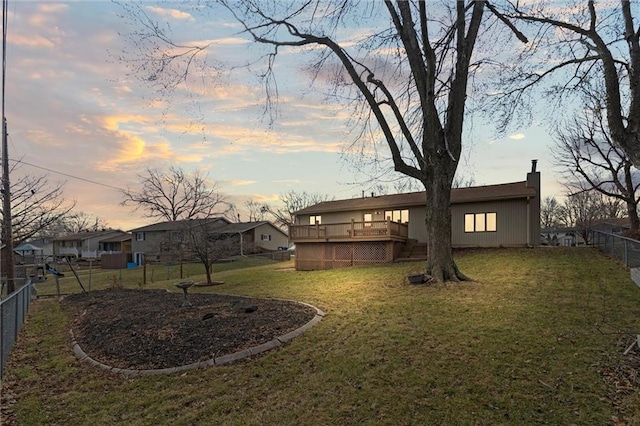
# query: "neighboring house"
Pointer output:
{"type": "Point", "coordinates": [615, 225]}
{"type": "Point", "coordinates": [158, 242]}
{"type": "Point", "coordinates": [28, 253]}
{"type": "Point", "coordinates": [559, 236]}
{"type": "Point", "coordinates": [117, 244]}
{"type": "Point", "coordinates": [258, 237]}
{"type": "Point", "coordinates": [45, 244]}
{"type": "Point", "coordinates": [385, 228]}
{"type": "Point", "coordinates": [115, 252]}
{"type": "Point", "coordinates": [83, 245]}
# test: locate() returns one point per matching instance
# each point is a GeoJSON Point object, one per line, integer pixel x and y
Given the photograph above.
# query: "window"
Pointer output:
{"type": "Point", "coordinates": [315, 220]}
{"type": "Point", "coordinates": [265, 237]}
{"type": "Point", "coordinates": [480, 222]}
{"type": "Point", "coordinates": [139, 236]}
{"type": "Point", "coordinates": [367, 218]}
{"type": "Point", "coordinates": [400, 216]}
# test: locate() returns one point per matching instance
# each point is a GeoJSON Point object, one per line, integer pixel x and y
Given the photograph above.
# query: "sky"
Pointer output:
{"type": "Point", "coordinates": [77, 113]}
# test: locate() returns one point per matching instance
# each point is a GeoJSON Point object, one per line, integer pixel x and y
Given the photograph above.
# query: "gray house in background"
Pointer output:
{"type": "Point", "coordinates": [386, 228]}
{"type": "Point", "coordinates": [158, 242]}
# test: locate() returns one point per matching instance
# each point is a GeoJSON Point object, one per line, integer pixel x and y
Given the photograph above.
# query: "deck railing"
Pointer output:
{"type": "Point", "coordinates": [377, 229]}
{"type": "Point", "coordinates": [85, 254]}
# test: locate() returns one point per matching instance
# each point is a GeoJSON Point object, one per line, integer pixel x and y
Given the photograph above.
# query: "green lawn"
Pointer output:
{"type": "Point", "coordinates": [525, 344]}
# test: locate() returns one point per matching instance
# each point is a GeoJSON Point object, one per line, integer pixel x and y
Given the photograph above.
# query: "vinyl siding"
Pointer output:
{"type": "Point", "coordinates": [511, 227]}
{"type": "Point", "coordinates": [277, 238]}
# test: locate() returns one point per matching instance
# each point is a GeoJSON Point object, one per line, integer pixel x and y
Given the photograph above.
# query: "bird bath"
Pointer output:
{"type": "Point", "coordinates": [184, 285]}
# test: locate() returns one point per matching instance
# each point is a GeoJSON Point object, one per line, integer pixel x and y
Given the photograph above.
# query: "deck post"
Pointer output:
{"type": "Point", "coordinates": [352, 229]}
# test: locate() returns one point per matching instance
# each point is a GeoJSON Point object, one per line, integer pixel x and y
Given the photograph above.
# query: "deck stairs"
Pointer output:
{"type": "Point", "coordinates": [413, 250]}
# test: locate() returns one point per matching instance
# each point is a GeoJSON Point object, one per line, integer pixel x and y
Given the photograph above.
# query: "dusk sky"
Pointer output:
{"type": "Point", "coordinates": [75, 113]}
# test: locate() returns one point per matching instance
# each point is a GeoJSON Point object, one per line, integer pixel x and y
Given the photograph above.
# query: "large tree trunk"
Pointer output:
{"type": "Point", "coordinates": [632, 211]}
{"type": "Point", "coordinates": [440, 263]}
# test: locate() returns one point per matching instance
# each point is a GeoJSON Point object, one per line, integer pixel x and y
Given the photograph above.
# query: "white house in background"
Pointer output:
{"type": "Point", "coordinates": [559, 236]}
{"type": "Point", "coordinates": [83, 245]}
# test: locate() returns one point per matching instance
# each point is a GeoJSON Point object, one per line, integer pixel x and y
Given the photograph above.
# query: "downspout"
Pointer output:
{"type": "Point", "coordinates": [529, 223]}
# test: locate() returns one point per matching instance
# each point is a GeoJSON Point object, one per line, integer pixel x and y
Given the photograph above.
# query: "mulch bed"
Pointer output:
{"type": "Point", "coordinates": [148, 329]}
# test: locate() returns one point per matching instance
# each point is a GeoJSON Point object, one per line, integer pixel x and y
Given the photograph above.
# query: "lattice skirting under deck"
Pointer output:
{"type": "Point", "coordinates": [310, 256]}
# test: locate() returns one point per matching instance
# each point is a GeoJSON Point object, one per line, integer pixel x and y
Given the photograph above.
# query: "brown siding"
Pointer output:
{"type": "Point", "coordinates": [115, 260]}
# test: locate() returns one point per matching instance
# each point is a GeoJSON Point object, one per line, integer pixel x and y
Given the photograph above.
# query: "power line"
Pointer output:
{"type": "Point", "coordinates": [68, 175]}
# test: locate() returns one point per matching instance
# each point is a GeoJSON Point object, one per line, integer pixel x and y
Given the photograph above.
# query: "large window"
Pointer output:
{"type": "Point", "coordinates": [139, 236]}
{"type": "Point", "coordinates": [401, 216]}
{"type": "Point", "coordinates": [315, 220]}
{"type": "Point", "coordinates": [480, 222]}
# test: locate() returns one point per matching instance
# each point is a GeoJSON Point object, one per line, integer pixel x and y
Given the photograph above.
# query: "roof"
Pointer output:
{"type": "Point", "coordinates": [86, 235]}
{"type": "Point", "coordinates": [117, 238]}
{"type": "Point", "coordinates": [27, 247]}
{"type": "Point", "coordinates": [248, 226]}
{"type": "Point", "coordinates": [222, 225]}
{"type": "Point", "coordinates": [176, 225]}
{"type": "Point", "coordinates": [505, 191]}
{"type": "Point", "coordinates": [622, 222]}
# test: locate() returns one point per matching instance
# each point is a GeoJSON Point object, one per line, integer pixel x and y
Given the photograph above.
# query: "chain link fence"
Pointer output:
{"type": "Point", "coordinates": [624, 249]}
{"type": "Point", "coordinates": [13, 312]}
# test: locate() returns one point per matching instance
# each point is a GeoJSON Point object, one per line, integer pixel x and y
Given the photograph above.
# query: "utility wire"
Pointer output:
{"type": "Point", "coordinates": [68, 175]}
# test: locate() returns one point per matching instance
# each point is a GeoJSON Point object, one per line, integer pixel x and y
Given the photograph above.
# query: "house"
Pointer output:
{"type": "Point", "coordinates": [258, 237]}
{"type": "Point", "coordinates": [44, 244]}
{"type": "Point", "coordinates": [614, 225]}
{"type": "Point", "coordinates": [559, 236]}
{"type": "Point", "coordinates": [115, 252]}
{"type": "Point", "coordinates": [386, 228]}
{"type": "Point", "coordinates": [120, 243]}
{"type": "Point", "coordinates": [159, 241]}
{"type": "Point", "coordinates": [83, 245]}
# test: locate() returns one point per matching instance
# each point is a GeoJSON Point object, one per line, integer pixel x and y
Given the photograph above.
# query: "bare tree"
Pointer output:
{"type": "Point", "coordinates": [175, 195]}
{"type": "Point", "coordinates": [463, 182]}
{"type": "Point", "coordinates": [581, 210]}
{"type": "Point", "coordinates": [408, 77]}
{"type": "Point", "coordinates": [585, 44]}
{"type": "Point", "coordinates": [257, 211]}
{"type": "Point", "coordinates": [36, 204]}
{"type": "Point", "coordinates": [613, 208]}
{"type": "Point", "coordinates": [550, 211]}
{"type": "Point", "coordinates": [81, 222]}
{"type": "Point", "coordinates": [293, 201]}
{"type": "Point", "coordinates": [206, 240]}
{"type": "Point", "coordinates": [590, 159]}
